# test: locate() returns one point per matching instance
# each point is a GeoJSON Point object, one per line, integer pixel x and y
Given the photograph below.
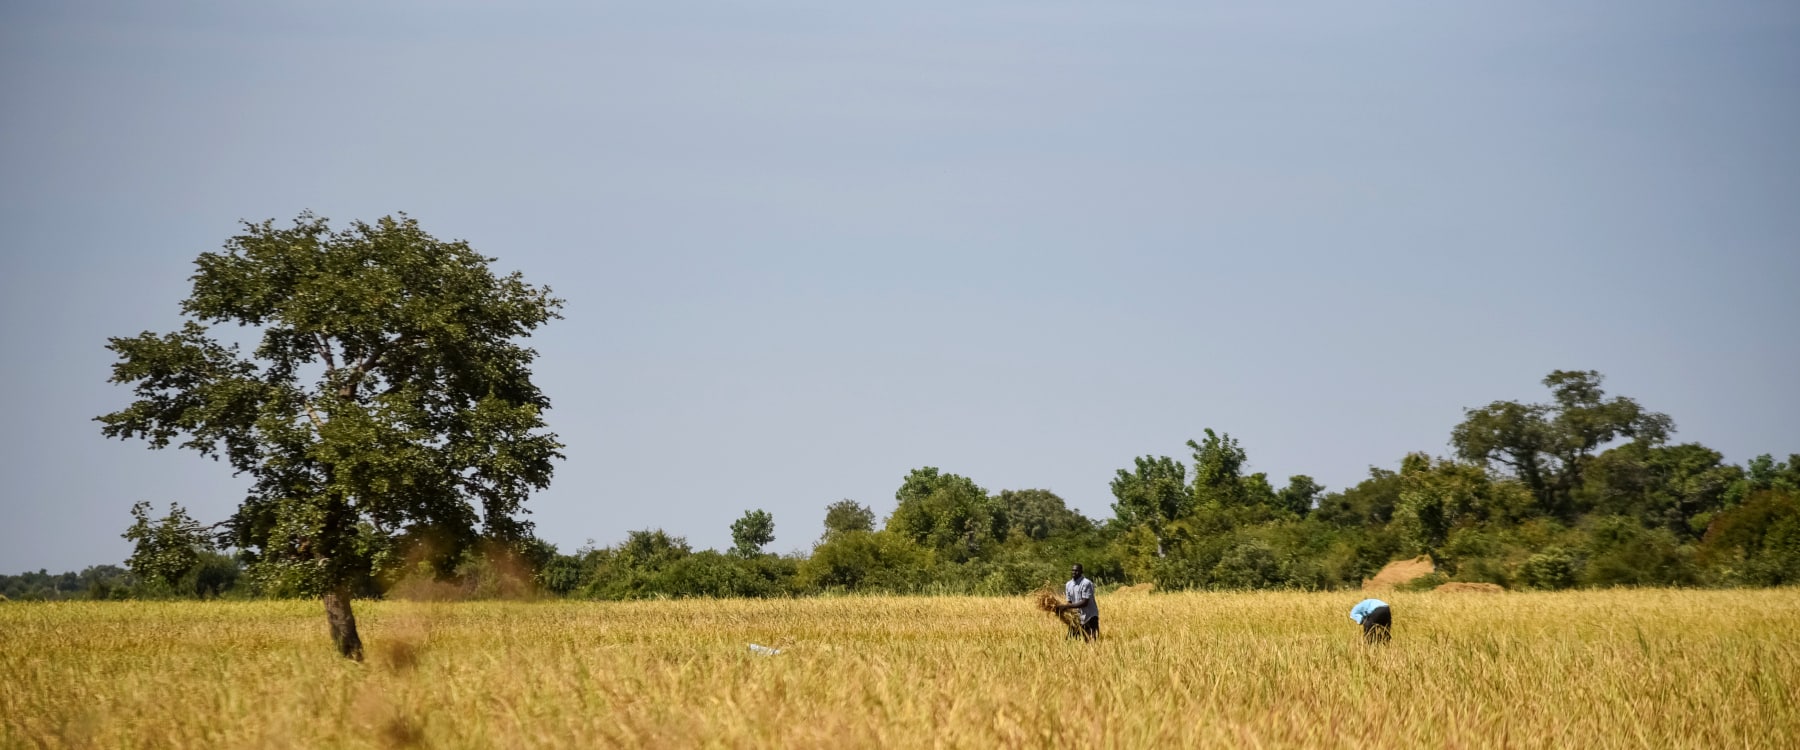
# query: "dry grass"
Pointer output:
{"type": "Point", "coordinates": [1047, 601]}
{"type": "Point", "coordinates": [1598, 669]}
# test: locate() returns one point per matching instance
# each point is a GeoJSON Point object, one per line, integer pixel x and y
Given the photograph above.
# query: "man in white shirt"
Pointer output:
{"type": "Point", "coordinates": [1080, 594]}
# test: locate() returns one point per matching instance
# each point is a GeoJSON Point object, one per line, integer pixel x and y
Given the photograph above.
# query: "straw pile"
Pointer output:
{"type": "Point", "coordinates": [1399, 572]}
{"type": "Point", "coordinates": [1046, 599]}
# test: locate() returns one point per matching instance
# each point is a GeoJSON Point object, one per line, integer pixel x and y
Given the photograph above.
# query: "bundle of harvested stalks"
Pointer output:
{"type": "Point", "coordinates": [1046, 599]}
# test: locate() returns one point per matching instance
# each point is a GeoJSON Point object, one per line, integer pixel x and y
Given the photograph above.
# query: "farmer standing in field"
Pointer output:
{"type": "Point", "coordinates": [1080, 594]}
{"type": "Point", "coordinates": [1376, 620]}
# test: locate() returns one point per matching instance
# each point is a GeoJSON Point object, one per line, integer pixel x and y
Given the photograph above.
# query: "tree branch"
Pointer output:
{"type": "Point", "coordinates": [324, 347]}
{"type": "Point", "coordinates": [362, 368]}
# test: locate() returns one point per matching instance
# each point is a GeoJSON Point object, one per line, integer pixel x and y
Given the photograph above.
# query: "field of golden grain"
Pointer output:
{"type": "Point", "coordinates": [1702, 669]}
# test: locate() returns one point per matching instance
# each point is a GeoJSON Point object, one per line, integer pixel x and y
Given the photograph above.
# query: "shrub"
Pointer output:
{"type": "Point", "coordinates": [1249, 564]}
{"type": "Point", "coordinates": [1553, 569]}
{"type": "Point", "coordinates": [878, 560]}
{"type": "Point", "coordinates": [1623, 553]}
{"type": "Point", "coordinates": [1756, 543]}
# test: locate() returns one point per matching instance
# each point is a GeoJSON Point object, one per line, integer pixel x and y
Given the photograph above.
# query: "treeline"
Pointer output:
{"type": "Point", "coordinates": [1580, 491]}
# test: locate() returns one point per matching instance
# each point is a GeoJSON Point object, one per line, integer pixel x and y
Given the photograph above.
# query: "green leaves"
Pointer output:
{"type": "Point", "coordinates": [752, 532]}
{"type": "Point", "coordinates": [387, 390]}
{"type": "Point", "coordinates": [163, 551]}
{"type": "Point", "coordinates": [1218, 471]}
{"type": "Point", "coordinates": [1153, 491]}
{"type": "Point", "coordinates": [945, 512]}
{"type": "Point", "coordinates": [1548, 446]}
{"type": "Point", "coordinates": [848, 515]}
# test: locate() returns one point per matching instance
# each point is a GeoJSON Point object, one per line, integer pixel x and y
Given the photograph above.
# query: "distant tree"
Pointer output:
{"type": "Point", "coordinates": [563, 574]}
{"type": "Point", "coordinates": [710, 574]}
{"type": "Point", "coordinates": [1369, 502]}
{"type": "Point", "coordinates": [1036, 514]}
{"type": "Point", "coordinates": [944, 512]}
{"type": "Point", "coordinates": [387, 393]}
{"type": "Point", "coordinates": [847, 515]}
{"type": "Point", "coordinates": [1300, 494]}
{"type": "Point", "coordinates": [1621, 552]}
{"type": "Point", "coordinates": [652, 549]}
{"type": "Point", "coordinates": [1152, 494]}
{"type": "Point", "coordinates": [105, 581]}
{"type": "Point", "coordinates": [212, 576]}
{"type": "Point", "coordinates": [1249, 564]}
{"type": "Point", "coordinates": [1552, 569]}
{"type": "Point", "coordinates": [1677, 487]}
{"type": "Point", "coordinates": [1765, 473]}
{"type": "Point", "coordinates": [1219, 471]}
{"type": "Point", "coordinates": [873, 561]}
{"type": "Point", "coordinates": [1258, 492]}
{"type": "Point", "coordinates": [1434, 497]}
{"type": "Point", "coordinates": [752, 532]}
{"type": "Point", "coordinates": [1756, 542]}
{"type": "Point", "coordinates": [165, 550]}
{"type": "Point", "coordinates": [1549, 446]}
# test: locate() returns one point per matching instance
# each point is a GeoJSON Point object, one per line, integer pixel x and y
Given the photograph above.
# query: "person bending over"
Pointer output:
{"type": "Point", "coordinates": [1376, 620]}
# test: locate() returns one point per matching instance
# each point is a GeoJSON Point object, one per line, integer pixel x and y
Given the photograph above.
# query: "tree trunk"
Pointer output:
{"type": "Point", "coordinates": [343, 623]}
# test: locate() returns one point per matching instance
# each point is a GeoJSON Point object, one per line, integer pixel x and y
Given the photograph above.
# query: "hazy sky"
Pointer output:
{"type": "Point", "coordinates": [807, 247]}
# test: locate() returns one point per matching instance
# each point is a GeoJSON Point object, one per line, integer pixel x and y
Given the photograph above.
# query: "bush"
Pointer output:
{"type": "Point", "coordinates": [1482, 570]}
{"type": "Point", "coordinates": [1756, 543]}
{"type": "Point", "coordinates": [1425, 582]}
{"type": "Point", "coordinates": [1551, 570]}
{"type": "Point", "coordinates": [1249, 564]}
{"type": "Point", "coordinates": [865, 560]}
{"type": "Point", "coordinates": [1013, 578]}
{"type": "Point", "coordinates": [711, 574]}
{"type": "Point", "coordinates": [1623, 553]}
{"type": "Point", "coordinates": [562, 574]}
{"type": "Point", "coordinates": [212, 576]}
{"type": "Point", "coordinates": [1190, 564]}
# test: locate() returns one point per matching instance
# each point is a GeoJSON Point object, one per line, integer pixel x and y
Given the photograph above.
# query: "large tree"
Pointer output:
{"type": "Point", "coordinates": [1549, 446]}
{"type": "Point", "coordinates": [387, 395]}
{"type": "Point", "coordinates": [948, 513]}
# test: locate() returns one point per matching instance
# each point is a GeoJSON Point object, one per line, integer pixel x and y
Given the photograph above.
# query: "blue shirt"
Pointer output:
{"type": "Point", "coordinates": [1364, 607]}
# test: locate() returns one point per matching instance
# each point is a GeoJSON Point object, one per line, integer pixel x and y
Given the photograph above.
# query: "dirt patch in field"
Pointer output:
{"type": "Point", "coordinates": [1469, 587]}
{"type": "Point", "coordinates": [1139, 589]}
{"type": "Point", "coordinates": [1399, 572]}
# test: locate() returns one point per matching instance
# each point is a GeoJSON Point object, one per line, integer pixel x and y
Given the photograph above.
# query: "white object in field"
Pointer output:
{"type": "Point", "coordinates": [763, 650]}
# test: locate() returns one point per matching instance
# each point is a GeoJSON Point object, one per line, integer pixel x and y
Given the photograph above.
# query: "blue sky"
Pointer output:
{"type": "Point", "coordinates": [807, 247]}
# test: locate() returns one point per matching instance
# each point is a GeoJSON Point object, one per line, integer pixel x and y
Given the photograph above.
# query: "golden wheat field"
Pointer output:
{"type": "Point", "coordinates": [1702, 669]}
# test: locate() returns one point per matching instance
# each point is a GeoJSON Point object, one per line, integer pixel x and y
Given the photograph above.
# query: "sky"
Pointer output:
{"type": "Point", "coordinates": [807, 247]}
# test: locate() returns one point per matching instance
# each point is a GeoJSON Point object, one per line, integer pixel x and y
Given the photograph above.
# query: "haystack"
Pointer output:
{"type": "Point", "coordinates": [1047, 601]}
{"type": "Point", "coordinates": [1400, 572]}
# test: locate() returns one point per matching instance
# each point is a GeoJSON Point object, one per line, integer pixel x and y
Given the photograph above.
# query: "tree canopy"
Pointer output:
{"type": "Point", "coordinates": [385, 400]}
